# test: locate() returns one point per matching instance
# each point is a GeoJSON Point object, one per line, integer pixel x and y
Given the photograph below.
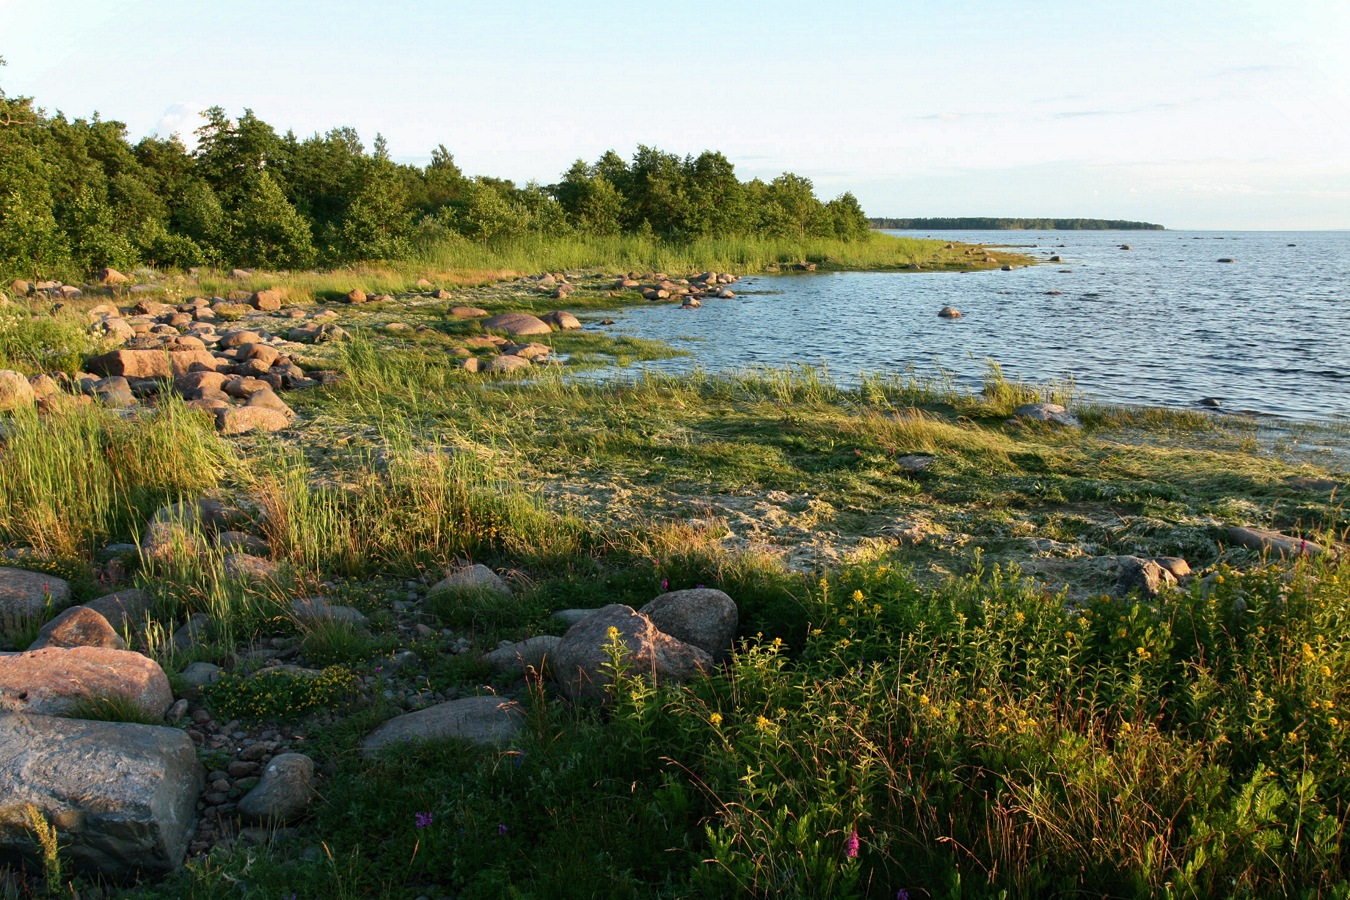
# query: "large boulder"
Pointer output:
{"type": "Point", "coordinates": [580, 660]}
{"type": "Point", "coordinates": [517, 324]}
{"type": "Point", "coordinates": [24, 593]}
{"type": "Point", "coordinates": [1146, 576]}
{"type": "Point", "coordinates": [79, 626]}
{"type": "Point", "coordinates": [150, 363]}
{"type": "Point", "coordinates": [56, 681]}
{"type": "Point", "coordinates": [266, 300]}
{"type": "Point", "coordinates": [284, 792]}
{"type": "Point", "coordinates": [121, 796]}
{"type": "Point", "coordinates": [15, 391]}
{"type": "Point", "coordinates": [486, 721]}
{"type": "Point", "coordinates": [704, 617]}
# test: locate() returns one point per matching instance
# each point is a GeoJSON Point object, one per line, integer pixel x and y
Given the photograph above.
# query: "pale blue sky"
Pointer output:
{"type": "Point", "coordinates": [1193, 113]}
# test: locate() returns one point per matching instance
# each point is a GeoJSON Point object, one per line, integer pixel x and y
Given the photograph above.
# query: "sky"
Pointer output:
{"type": "Point", "coordinates": [1197, 114]}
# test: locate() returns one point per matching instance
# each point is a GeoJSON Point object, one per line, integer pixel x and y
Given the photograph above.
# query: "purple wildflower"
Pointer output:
{"type": "Point", "coordinates": [902, 894]}
{"type": "Point", "coordinates": [851, 845]}
{"type": "Point", "coordinates": [423, 819]}
{"type": "Point", "coordinates": [501, 829]}
{"type": "Point", "coordinates": [665, 584]}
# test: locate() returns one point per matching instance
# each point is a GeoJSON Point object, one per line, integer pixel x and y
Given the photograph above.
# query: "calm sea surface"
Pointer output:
{"type": "Point", "coordinates": [1162, 324]}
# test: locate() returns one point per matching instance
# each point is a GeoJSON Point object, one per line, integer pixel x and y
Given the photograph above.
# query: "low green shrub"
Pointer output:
{"type": "Point", "coordinates": [279, 693]}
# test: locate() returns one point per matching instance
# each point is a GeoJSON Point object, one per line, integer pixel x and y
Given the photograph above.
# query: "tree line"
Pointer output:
{"type": "Point", "coordinates": [79, 194]}
{"type": "Point", "coordinates": [997, 224]}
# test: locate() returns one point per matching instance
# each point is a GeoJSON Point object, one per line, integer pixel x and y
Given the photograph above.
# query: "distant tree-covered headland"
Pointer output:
{"type": "Point", "coordinates": [79, 194]}
{"type": "Point", "coordinates": [995, 224]}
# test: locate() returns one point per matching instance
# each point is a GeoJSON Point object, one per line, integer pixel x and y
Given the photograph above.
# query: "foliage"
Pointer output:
{"type": "Point", "coordinates": [79, 196]}
{"type": "Point", "coordinates": [279, 693]}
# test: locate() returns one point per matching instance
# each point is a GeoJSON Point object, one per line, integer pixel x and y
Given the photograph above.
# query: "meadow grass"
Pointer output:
{"type": "Point", "coordinates": [970, 711]}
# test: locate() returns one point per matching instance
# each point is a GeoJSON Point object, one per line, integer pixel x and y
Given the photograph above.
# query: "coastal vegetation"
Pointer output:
{"type": "Point", "coordinates": [943, 684]}
{"type": "Point", "coordinates": [980, 223]}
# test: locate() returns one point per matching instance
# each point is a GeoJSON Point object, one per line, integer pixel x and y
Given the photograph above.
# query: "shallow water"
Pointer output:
{"type": "Point", "coordinates": [1162, 324]}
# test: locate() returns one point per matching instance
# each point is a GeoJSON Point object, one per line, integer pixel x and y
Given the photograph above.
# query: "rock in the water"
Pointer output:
{"type": "Point", "coordinates": [15, 391]}
{"type": "Point", "coordinates": [527, 654]}
{"type": "Point", "coordinates": [1047, 412]}
{"type": "Point", "coordinates": [473, 578]}
{"type": "Point", "coordinates": [78, 626]}
{"type": "Point", "coordinates": [704, 617]}
{"type": "Point", "coordinates": [485, 721]}
{"type": "Point", "coordinates": [517, 324]}
{"type": "Point", "coordinates": [1143, 575]}
{"type": "Point", "coordinates": [949, 312]}
{"type": "Point", "coordinates": [56, 681]}
{"type": "Point", "coordinates": [284, 792]}
{"type": "Point", "coordinates": [24, 593]}
{"type": "Point", "coordinates": [122, 796]}
{"type": "Point", "coordinates": [580, 660]}
{"type": "Point", "coordinates": [123, 609]}
{"type": "Point", "coordinates": [1273, 542]}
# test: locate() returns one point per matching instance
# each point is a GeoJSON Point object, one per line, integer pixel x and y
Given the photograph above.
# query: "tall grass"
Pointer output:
{"type": "Point", "coordinates": [638, 253]}
{"type": "Point", "coordinates": [41, 342]}
{"type": "Point", "coordinates": [73, 480]}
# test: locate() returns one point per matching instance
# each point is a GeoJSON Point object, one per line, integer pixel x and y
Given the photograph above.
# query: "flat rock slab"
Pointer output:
{"type": "Point", "coordinates": [24, 593]}
{"type": "Point", "coordinates": [54, 681]}
{"type": "Point", "coordinates": [485, 721]}
{"type": "Point", "coordinates": [150, 363]}
{"type": "Point", "coordinates": [1273, 542]}
{"type": "Point", "coordinates": [121, 796]}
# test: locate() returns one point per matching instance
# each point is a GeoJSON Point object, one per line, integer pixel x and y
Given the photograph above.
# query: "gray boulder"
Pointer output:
{"type": "Point", "coordinates": [245, 419]}
{"type": "Point", "coordinates": [55, 681]}
{"type": "Point", "coordinates": [516, 324]}
{"type": "Point", "coordinates": [24, 593]}
{"type": "Point", "coordinates": [580, 660]}
{"type": "Point", "coordinates": [561, 319]}
{"type": "Point", "coordinates": [523, 655]}
{"type": "Point", "coordinates": [284, 792]}
{"type": "Point", "coordinates": [505, 363]}
{"type": "Point", "coordinates": [473, 577]}
{"type": "Point", "coordinates": [1143, 575]}
{"type": "Point", "coordinates": [486, 721]}
{"type": "Point", "coordinates": [243, 567]}
{"type": "Point", "coordinates": [121, 796]}
{"type": "Point", "coordinates": [317, 609]}
{"type": "Point", "coordinates": [1052, 413]}
{"type": "Point", "coordinates": [704, 617]}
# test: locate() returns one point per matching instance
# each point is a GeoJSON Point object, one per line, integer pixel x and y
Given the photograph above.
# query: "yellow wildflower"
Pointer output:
{"type": "Point", "coordinates": [715, 719]}
{"type": "Point", "coordinates": [857, 596]}
{"type": "Point", "coordinates": [1325, 671]}
{"type": "Point", "coordinates": [923, 700]}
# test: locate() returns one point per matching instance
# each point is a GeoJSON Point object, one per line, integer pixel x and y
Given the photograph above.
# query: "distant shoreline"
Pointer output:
{"type": "Point", "coordinates": [997, 224]}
